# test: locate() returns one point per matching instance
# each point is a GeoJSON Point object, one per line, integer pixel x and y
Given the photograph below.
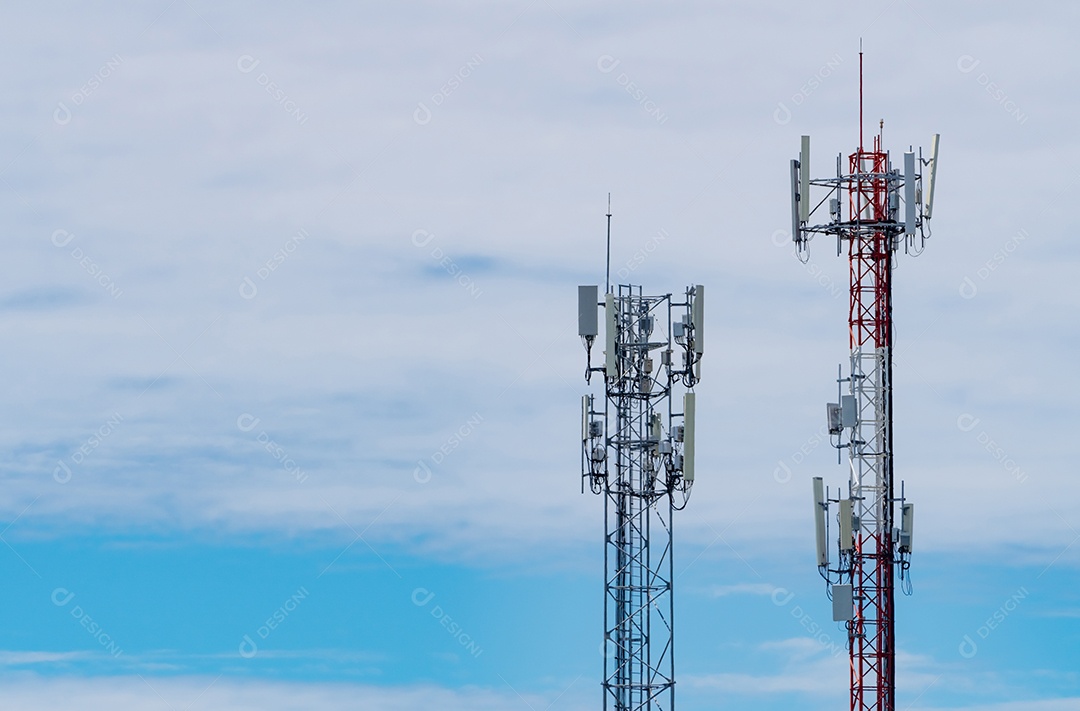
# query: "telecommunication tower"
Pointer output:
{"type": "Point", "coordinates": [873, 210]}
{"type": "Point", "coordinates": [637, 449]}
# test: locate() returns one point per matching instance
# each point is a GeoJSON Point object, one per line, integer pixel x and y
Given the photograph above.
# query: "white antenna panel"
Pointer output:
{"type": "Point", "coordinates": [697, 313]}
{"type": "Point", "coordinates": [586, 310]}
{"type": "Point", "coordinates": [847, 541]}
{"type": "Point", "coordinates": [907, 522]}
{"type": "Point", "coordinates": [843, 603]}
{"type": "Point", "coordinates": [933, 176]}
{"type": "Point", "coordinates": [832, 414]}
{"type": "Point", "coordinates": [804, 180]}
{"type": "Point", "coordinates": [610, 318]}
{"type": "Point", "coordinates": [819, 522]}
{"type": "Point", "coordinates": [849, 411]}
{"type": "Point", "coordinates": [585, 417]}
{"type": "Point", "coordinates": [688, 436]}
{"type": "Point", "coordinates": [795, 232]}
{"type": "Point", "coordinates": [909, 193]}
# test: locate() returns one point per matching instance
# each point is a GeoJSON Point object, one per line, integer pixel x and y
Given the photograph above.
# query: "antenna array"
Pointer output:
{"type": "Point", "coordinates": [637, 449]}
{"type": "Point", "coordinates": [862, 209]}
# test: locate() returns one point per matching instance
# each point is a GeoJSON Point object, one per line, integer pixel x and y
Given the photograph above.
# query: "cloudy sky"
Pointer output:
{"type": "Point", "coordinates": [291, 376]}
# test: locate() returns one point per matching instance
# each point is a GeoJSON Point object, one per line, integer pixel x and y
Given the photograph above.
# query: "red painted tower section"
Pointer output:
{"type": "Point", "coordinates": [871, 636]}
{"type": "Point", "coordinates": [886, 209]}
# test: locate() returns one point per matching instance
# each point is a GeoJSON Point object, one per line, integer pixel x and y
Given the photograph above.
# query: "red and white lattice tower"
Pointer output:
{"type": "Point", "coordinates": [873, 211]}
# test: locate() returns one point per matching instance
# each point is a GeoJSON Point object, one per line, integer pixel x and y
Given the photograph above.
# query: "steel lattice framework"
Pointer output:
{"type": "Point", "coordinates": [870, 547]}
{"type": "Point", "coordinates": [635, 454]}
{"type": "Point", "coordinates": [871, 240]}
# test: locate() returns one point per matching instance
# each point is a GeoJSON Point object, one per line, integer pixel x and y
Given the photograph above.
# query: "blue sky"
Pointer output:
{"type": "Point", "coordinates": [292, 382]}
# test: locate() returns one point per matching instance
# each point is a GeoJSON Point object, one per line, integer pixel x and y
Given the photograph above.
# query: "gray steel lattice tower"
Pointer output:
{"type": "Point", "coordinates": [638, 451]}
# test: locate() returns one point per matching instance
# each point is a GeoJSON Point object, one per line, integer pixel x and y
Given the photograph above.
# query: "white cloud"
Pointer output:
{"type": "Point", "coordinates": [137, 693]}
{"type": "Point", "coordinates": [804, 666]}
{"type": "Point", "coordinates": [742, 589]}
{"type": "Point", "coordinates": [180, 176]}
{"type": "Point", "coordinates": [1053, 704]}
{"type": "Point", "coordinates": [17, 658]}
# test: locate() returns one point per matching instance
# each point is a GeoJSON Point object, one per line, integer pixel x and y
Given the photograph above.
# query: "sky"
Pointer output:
{"type": "Point", "coordinates": [291, 383]}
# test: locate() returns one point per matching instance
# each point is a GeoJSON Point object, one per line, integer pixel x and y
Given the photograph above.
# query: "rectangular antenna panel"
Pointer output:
{"type": "Point", "coordinates": [611, 321]}
{"type": "Point", "coordinates": [688, 436]}
{"type": "Point", "coordinates": [933, 176]}
{"type": "Point", "coordinates": [697, 313]}
{"type": "Point", "coordinates": [849, 411]}
{"type": "Point", "coordinates": [907, 521]}
{"type": "Point", "coordinates": [909, 193]}
{"type": "Point", "coordinates": [843, 603]}
{"type": "Point", "coordinates": [586, 311]}
{"type": "Point", "coordinates": [819, 522]}
{"type": "Point", "coordinates": [804, 179]}
{"type": "Point", "coordinates": [832, 413]}
{"type": "Point", "coordinates": [795, 232]}
{"type": "Point", "coordinates": [585, 417]}
{"type": "Point", "coordinates": [847, 541]}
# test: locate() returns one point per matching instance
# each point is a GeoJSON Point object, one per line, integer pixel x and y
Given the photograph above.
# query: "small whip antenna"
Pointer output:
{"type": "Point", "coordinates": [607, 275]}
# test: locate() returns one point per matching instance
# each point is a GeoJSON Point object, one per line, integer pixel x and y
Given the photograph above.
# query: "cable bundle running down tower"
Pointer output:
{"type": "Point", "coordinates": [638, 451]}
{"type": "Point", "coordinates": [885, 209]}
